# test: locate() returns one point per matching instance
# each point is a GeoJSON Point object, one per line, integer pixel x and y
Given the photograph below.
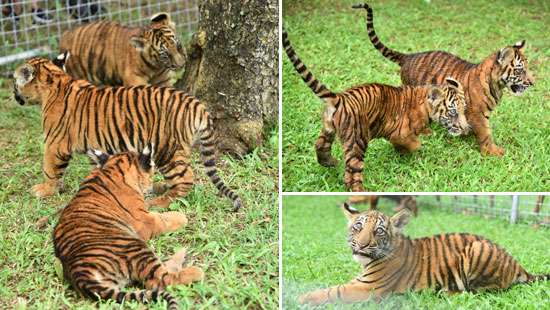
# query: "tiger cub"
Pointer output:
{"type": "Point", "coordinates": [393, 263]}
{"type": "Point", "coordinates": [369, 111]}
{"type": "Point", "coordinates": [107, 53]}
{"type": "Point", "coordinates": [101, 237]}
{"type": "Point", "coordinates": [483, 83]}
{"type": "Point", "coordinates": [77, 116]}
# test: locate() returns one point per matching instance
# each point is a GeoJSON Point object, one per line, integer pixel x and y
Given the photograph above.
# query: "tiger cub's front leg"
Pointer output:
{"type": "Point", "coordinates": [482, 130]}
{"type": "Point", "coordinates": [178, 176]}
{"type": "Point", "coordinates": [55, 162]}
{"type": "Point", "coordinates": [347, 293]}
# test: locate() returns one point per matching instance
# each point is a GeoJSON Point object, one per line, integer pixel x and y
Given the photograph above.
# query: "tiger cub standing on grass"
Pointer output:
{"type": "Point", "coordinates": [483, 83]}
{"type": "Point", "coordinates": [101, 236]}
{"type": "Point", "coordinates": [369, 111]}
{"type": "Point", "coordinates": [107, 53]}
{"type": "Point", "coordinates": [393, 263]}
{"type": "Point", "coordinates": [78, 116]}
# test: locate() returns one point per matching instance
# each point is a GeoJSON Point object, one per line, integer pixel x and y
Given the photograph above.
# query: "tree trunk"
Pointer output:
{"type": "Point", "coordinates": [232, 67]}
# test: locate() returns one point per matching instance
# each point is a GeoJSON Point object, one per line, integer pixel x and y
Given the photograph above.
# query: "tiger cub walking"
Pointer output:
{"type": "Point", "coordinates": [393, 263]}
{"type": "Point", "coordinates": [101, 235]}
{"type": "Point", "coordinates": [483, 82]}
{"type": "Point", "coordinates": [107, 53]}
{"type": "Point", "coordinates": [78, 116]}
{"type": "Point", "coordinates": [369, 111]}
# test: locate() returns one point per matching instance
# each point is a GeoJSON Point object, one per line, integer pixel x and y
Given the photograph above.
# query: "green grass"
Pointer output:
{"type": "Point", "coordinates": [316, 255]}
{"type": "Point", "coordinates": [332, 40]}
{"type": "Point", "coordinates": [238, 251]}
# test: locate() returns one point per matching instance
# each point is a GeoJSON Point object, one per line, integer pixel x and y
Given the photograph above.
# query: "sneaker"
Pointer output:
{"type": "Point", "coordinates": [40, 16]}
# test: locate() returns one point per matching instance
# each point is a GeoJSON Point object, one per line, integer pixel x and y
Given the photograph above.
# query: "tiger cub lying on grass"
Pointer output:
{"type": "Point", "coordinates": [101, 237]}
{"type": "Point", "coordinates": [483, 82]}
{"type": "Point", "coordinates": [78, 116]}
{"type": "Point", "coordinates": [366, 112]}
{"type": "Point", "coordinates": [393, 263]}
{"type": "Point", "coordinates": [107, 53]}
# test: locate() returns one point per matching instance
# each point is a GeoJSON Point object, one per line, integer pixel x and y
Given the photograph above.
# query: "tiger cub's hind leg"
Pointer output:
{"type": "Point", "coordinates": [178, 177]}
{"type": "Point", "coordinates": [487, 266]}
{"type": "Point", "coordinates": [153, 224]}
{"type": "Point", "coordinates": [354, 152]}
{"type": "Point", "coordinates": [323, 145]}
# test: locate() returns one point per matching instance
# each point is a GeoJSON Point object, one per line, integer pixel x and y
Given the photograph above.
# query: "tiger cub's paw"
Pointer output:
{"type": "Point", "coordinates": [492, 150]}
{"type": "Point", "coordinates": [159, 202]}
{"type": "Point", "coordinates": [328, 161]}
{"type": "Point", "coordinates": [312, 298]}
{"type": "Point", "coordinates": [44, 190]}
{"type": "Point", "coordinates": [174, 220]}
{"type": "Point", "coordinates": [190, 274]}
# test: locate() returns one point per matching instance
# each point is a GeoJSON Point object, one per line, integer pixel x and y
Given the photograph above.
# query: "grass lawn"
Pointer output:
{"type": "Point", "coordinates": [238, 251]}
{"type": "Point", "coordinates": [316, 255]}
{"type": "Point", "coordinates": [332, 41]}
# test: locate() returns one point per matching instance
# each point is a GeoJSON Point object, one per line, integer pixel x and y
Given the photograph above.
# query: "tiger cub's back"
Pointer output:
{"type": "Point", "coordinates": [100, 57]}
{"type": "Point", "coordinates": [108, 53]}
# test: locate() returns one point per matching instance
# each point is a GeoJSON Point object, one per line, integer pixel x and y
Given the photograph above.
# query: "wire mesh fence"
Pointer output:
{"type": "Point", "coordinates": [33, 27]}
{"type": "Point", "coordinates": [516, 208]}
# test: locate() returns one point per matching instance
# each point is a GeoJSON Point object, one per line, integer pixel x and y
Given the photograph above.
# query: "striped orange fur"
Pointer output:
{"type": "Point", "coordinates": [394, 263]}
{"type": "Point", "coordinates": [483, 82]}
{"type": "Point", "coordinates": [369, 111]}
{"type": "Point", "coordinates": [101, 236]}
{"type": "Point", "coordinates": [107, 53]}
{"type": "Point", "coordinates": [77, 116]}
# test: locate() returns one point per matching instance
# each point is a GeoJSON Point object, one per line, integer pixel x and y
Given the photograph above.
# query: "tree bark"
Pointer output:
{"type": "Point", "coordinates": [232, 66]}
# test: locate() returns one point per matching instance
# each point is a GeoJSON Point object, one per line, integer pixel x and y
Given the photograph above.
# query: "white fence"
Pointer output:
{"type": "Point", "coordinates": [30, 28]}
{"type": "Point", "coordinates": [516, 208]}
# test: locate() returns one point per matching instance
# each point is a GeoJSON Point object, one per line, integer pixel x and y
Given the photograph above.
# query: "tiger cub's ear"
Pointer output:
{"type": "Point", "coordinates": [23, 74]}
{"type": "Point", "coordinates": [520, 44]}
{"type": "Point", "coordinates": [98, 157]}
{"type": "Point", "coordinates": [400, 219]}
{"type": "Point", "coordinates": [505, 55]}
{"type": "Point", "coordinates": [146, 157]}
{"type": "Point", "coordinates": [454, 83]}
{"type": "Point", "coordinates": [162, 18]}
{"type": "Point", "coordinates": [349, 211]}
{"type": "Point", "coordinates": [61, 59]}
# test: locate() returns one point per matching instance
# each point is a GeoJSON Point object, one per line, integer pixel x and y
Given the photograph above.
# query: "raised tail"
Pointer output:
{"type": "Point", "coordinates": [208, 157]}
{"type": "Point", "coordinates": [387, 52]}
{"type": "Point", "coordinates": [95, 292]}
{"type": "Point", "coordinates": [315, 85]}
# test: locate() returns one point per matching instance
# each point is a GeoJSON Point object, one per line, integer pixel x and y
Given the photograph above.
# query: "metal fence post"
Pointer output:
{"type": "Point", "coordinates": [514, 211]}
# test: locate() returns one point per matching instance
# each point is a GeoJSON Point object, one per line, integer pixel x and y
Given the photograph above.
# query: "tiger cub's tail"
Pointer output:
{"type": "Point", "coordinates": [207, 150]}
{"type": "Point", "coordinates": [315, 85]}
{"type": "Point", "coordinates": [392, 55]}
{"type": "Point", "coordinates": [539, 277]}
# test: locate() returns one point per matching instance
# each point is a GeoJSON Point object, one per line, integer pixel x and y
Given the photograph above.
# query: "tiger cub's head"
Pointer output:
{"type": "Point", "coordinates": [159, 44]}
{"type": "Point", "coordinates": [33, 80]}
{"type": "Point", "coordinates": [372, 234]}
{"type": "Point", "coordinates": [448, 107]}
{"type": "Point", "coordinates": [512, 69]}
{"type": "Point", "coordinates": [135, 169]}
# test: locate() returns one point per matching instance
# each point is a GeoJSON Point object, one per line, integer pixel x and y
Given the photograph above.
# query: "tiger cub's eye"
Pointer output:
{"type": "Point", "coordinates": [379, 231]}
{"type": "Point", "coordinates": [357, 226]}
